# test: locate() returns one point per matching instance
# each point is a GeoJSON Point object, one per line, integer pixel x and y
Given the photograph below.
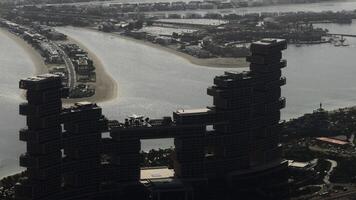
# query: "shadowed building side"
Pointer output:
{"type": "Point", "coordinates": [43, 137]}
{"type": "Point", "coordinates": [229, 150]}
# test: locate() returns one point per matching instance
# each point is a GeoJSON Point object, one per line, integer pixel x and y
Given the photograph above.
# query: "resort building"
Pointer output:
{"type": "Point", "coordinates": [228, 150]}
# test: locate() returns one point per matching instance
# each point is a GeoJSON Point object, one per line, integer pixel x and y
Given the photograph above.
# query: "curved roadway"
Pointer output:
{"type": "Point", "coordinates": [72, 76]}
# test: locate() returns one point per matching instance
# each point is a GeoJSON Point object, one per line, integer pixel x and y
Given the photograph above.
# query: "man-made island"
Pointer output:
{"type": "Point", "coordinates": [81, 71]}
{"type": "Point", "coordinates": [213, 39]}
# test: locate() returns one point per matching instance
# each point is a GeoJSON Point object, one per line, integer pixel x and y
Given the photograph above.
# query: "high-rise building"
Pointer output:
{"type": "Point", "coordinates": [243, 137]}
{"type": "Point", "coordinates": [81, 139]}
{"type": "Point", "coordinates": [43, 137]}
{"type": "Point", "coordinates": [226, 151]}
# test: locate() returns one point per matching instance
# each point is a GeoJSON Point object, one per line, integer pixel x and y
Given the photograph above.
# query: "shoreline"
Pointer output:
{"type": "Point", "coordinates": [36, 58]}
{"type": "Point", "coordinates": [206, 62]}
{"type": "Point", "coordinates": [106, 88]}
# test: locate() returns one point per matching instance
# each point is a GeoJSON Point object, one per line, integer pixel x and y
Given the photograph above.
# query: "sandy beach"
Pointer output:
{"type": "Point", "coordinates": [106, 87]}
{"type": "Point", "coordinates": [207, 62]}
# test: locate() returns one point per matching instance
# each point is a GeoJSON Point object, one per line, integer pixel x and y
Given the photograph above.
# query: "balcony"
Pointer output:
{"type": "Point", "coordinates": [43, 97]}
{"type": "Point", "coordinates": [271, 106]}
{"type": "Point", "coordinates": [46, 173]}
{"type": "Point", "coordinates": [40, 135]}
{"type": "Point", "coordinates": [264, 59]}
{"type": "Point", "coordinates": [83, 111]}
{"type": "Point", "coordinates": [229, 93]}
{"type": "Point", "coordinates": [194, 116]}
{"type": "Point", "coordinates": [41, 82]}
{"type": "Point", "coordinates": [40, 110]}
{"type": "Point", "coordinates": [44, 148]}
{"type": "Point", "coordinates": [233, 79]}
{"type": "Point", "coordinates": [212, 91]}
{"type": "Point", "coordinates": [283, 63]}
{"type": "Point", "coordinates": [282, 102]}
{"type": "Point", "coordinates": [274, 84]}
{"type": "Point", "coordinates": [52, 121]}
{"type": "Point", "coordinates": [282, 81]}
{"type": "Point", "coordinates": [25, 161]}
{"type": "Point", "coordinates": [236, 104]}
{"type": "Point", "coordinates": [86, 126]}
{"type": "Point", "coordinates": [268, 68]}
{"type": "Point", "coordinates": [40, 161]}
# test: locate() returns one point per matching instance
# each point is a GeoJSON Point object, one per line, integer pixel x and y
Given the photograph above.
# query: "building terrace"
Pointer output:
{"type": "Point", "coordinates": [228, 150]}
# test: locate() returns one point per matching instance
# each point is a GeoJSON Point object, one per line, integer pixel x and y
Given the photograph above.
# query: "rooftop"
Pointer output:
{"type": "Point", "coordinates": [332, 141]}
{"type": "Point", "coordinates": [156, 173]}
{"type": "Point", "coordinates": [42, 77]}
{"type": "Point", "coordinates": [199, 111]}
{"type": "Point", "coordinates": [234, 75]}
{"type": "Point", "coordinates": [267, 45]}
{"type": "Point", "coordinates": [295, 164]}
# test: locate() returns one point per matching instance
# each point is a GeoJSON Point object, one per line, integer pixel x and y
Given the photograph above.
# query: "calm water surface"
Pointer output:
{"type": "Point", "coordinates": [155, 83]}
{"type": "Point", "coordinates": [150, 81]}
{"type": "Point", "coordinates": [15, 64]}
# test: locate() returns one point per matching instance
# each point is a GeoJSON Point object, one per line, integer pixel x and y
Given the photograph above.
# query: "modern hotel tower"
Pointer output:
{"type": "Point", "coordinates": [230, 150]}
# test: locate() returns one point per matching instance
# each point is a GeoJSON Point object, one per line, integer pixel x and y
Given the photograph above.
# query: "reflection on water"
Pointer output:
{"type": "Point", "coordinates": [155, 83]}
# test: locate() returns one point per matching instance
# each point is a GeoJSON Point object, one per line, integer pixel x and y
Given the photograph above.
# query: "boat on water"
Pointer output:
{"type": "Point", "coordinates": [342, 40]}
{"type": "Point", "coordinates": [345, 44]}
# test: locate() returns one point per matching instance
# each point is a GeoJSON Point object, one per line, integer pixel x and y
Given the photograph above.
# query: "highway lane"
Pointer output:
{"type": "Point", "coordinates": [72, 77]}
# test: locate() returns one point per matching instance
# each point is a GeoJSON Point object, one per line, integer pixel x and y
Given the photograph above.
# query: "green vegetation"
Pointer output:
{"type": "Point", "coordinates": [299, 153]}
{"type": "Point", "coordinates": [322, 123]}
{"type": "Point", "coordinates": [298, 137]}
{"type": "Point", "coordinates": [345, 171]}
{"type": "Point", "coordinates": [152, 158]}
{"type": "Point", "coordinates": [7, 185]}
{"type": "Point", "coordinates": [297, 134]}
{"type": "Point", "coordinates": [155, 158]}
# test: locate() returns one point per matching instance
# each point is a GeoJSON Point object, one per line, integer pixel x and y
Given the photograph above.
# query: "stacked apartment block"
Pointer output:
{"type": "Point", "coordinates": [43, 137]}
{"type": "Point", "coordinates": [226, 151]}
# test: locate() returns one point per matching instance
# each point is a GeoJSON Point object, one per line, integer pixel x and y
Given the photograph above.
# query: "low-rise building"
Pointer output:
{"type": "Point", "coordinates": [50, 53]}
{"type": "Point", "coordinates": [197, 51]}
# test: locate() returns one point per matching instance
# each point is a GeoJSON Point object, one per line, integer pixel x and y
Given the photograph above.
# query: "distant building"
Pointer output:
{"type": "Point", "coordinates": [50, 52]}
{"type": "Point", "coordinates": [332, 141]}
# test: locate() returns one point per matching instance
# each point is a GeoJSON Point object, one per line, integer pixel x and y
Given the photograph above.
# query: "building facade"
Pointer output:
{"type": "Point", "coordinates": [225, 151]}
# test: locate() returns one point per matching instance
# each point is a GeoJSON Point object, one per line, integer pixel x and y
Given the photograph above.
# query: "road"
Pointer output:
{"type": "Point", "coordinates": [351, 139]}
{"type": "Point", "coordinates": [332, 167]}
{"type": "Point", "coordinates": [72, 76]}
